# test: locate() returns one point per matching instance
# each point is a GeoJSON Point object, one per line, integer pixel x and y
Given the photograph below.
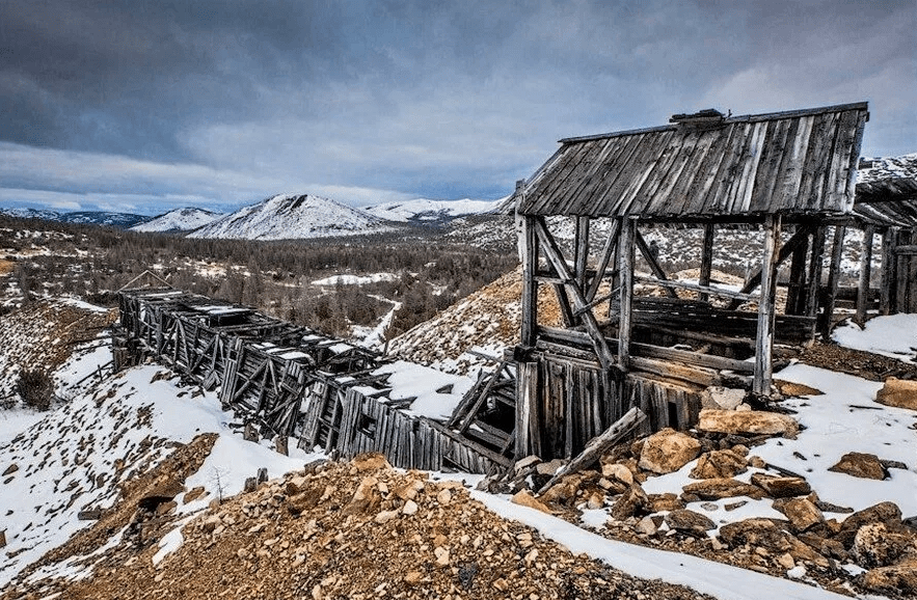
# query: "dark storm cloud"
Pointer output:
{"type": "Point", "coordinates": [379, 99]}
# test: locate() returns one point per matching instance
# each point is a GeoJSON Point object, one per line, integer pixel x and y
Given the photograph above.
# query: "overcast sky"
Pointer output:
{"type": "Point", "coordinates": [143, 106]}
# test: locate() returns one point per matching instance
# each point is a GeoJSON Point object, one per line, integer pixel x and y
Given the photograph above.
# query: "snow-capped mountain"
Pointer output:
{"type": "Point", "coordinates": [292, 216]}
{"type": "Point", "coordinates": [180, 219]}
{"type": "Point", "coordinates": [423, 210]}
{"type": "Point", "coordinates": [91, 217]}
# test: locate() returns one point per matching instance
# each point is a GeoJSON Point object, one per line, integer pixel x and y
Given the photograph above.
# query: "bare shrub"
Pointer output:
{"type": "Point", "coordinates": [35, 388]}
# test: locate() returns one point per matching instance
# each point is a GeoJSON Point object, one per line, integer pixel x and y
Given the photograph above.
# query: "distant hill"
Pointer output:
{"type": "Point", "coordinates": [109, 219]}
{"type": "Point", "coordinates": [293, 216]}
{"type": "Point", "coordinates": [180, 219]}
{"type": "Point", "coordinates": [425, 211]}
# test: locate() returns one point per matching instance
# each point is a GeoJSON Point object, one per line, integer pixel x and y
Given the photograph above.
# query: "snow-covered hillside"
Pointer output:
{"type": "Point", "coordinates": [292, 216]}
{"type": "Point", "coordinates": [180, 219]}
{"type": "Point", "coordinates": [425, 211]}
{"type": "Point", "coordinates": [88, 217]}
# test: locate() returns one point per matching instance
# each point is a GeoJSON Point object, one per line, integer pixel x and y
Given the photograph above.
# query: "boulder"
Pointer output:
{"type": "Point", "coordinates": [747, 421]}
{"type": "Point", "coordinates": [618, 472]}
{"type": "Point", "coordinates": [898, 393]}
{"type": "Point", "coordinates": [899, 579]}
{"type": "Point", "coordinates": [525, 498]}
{"type": "Point", "coordinates": [370, 461]}
{"type": "Point", "coordinates": [756, 532]}
{"type": "Point", "coordinates": [802, 514]}
{"type": "Point", "coordinates": [883, 512]}
{"type": "Point", "coordinates": [548, 469]}
{"type": "Point", "coordinates": [715, 489]}
{"type": "Point", "coordinates": [646, 526]}
{"type": "Point", "coordinates": [662, 502]}
{"type": "Point", "coordinates": [859, 464]}
{"type": "Point", "coordinates": [721, 398]}
{"type": "Point", "coordinates": [781, 486]}
{"type": "Point", "coordinates": [631, 503]}
{"type": "Point", "coordinates": [876, 546]}
{"type": "Point", "coordinates": [667, 451]}
{"type": "Point", "coordinates": [719, 464]}
{"type": "Point", "coordinates": [688, 521]}
{"type": "Point", "coordinates": [793, 389]}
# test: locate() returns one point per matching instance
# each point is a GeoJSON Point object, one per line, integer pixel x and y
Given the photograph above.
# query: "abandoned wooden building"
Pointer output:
{"type": "Point", "coordinates": [791, 175]}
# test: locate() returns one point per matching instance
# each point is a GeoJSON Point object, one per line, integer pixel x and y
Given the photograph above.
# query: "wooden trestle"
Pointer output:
{"type": "Point", "coordinates": [290, 381]}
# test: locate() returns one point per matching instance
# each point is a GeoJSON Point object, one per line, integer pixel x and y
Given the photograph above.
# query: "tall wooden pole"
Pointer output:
{"type": "Point", "coordinates": [865, 274]}
{"type": "Point", "coordinates": [626, 294]}
{"type": "Point", "coordinates": [706, 260]}
{"type": "Point", "coordinates": [581, 257]}
{"type": "Point", "coordinates": [834, 276]}
{"type": "Point", "coordinates": [815, 271]}
{"type": "Point", "coordinates": [764, 343]}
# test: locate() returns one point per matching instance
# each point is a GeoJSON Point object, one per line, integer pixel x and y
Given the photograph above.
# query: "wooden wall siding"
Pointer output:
{"type": "Point", "coordinates": [796, 163]}
{"type": "Point", "coordinates": [578, 401]}
{"type": "Point", "coordinates": [290, 380]}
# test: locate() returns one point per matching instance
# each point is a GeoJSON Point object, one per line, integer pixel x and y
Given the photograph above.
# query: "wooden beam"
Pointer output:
{"type": "Point", "coordinates": [889, 264]}
{"type": "Point", "coordinates": [581, 250]}
{"type": "Point", "coordinates": [651, 261]}
{"type": "Point", "coordinates": [529, 284]}
{"type": "Point", "coordinates": [597, 446]}
{"type": "Point", "coordinates": [608, 250]}
{"type": "Point", "coordinates": [865, 274]}
{"type": "Point", "coordinates": [626, 268]}
{"type": "Point", "coordinates": [698, 288]}
{"type": "Point", "coordinates": [816, 264]}
{"type": "Point", "coordinates": [764, 342]}
{"type": "Point", "coordinates": [528, 419]}
{"type": "Point", "coordinates": [834, 275]}
{"type": "Point", "coordinates": [796, 297]}
{"type": "Point", "coordinates": [706, 260]}
{"type": "Point", "coordinates": [755, 280]}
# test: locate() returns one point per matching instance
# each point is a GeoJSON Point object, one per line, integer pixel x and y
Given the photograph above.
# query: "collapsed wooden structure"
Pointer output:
{"type": "Point", "coordinates": [790, 174]}
{"type": "Point", "coordinates": [288, 381]}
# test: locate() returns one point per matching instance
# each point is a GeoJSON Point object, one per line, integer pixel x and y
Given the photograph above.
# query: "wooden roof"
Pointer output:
{"type": "Point", "coordinates": [707, 166]}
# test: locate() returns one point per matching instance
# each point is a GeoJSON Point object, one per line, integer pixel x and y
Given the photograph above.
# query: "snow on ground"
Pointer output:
{"type": "Point", "coordinates": [720, 580]}
{"type": "Point", "coordinates": [893, 335]}
{"type": "Point", "coordinates": [356, 279]}
{"type": "Point", "coordinates": [410, 379]}
{"type": "Point", "coordinates": [74, 457]}
{"type": "Point", "coordinates": [374, 337]}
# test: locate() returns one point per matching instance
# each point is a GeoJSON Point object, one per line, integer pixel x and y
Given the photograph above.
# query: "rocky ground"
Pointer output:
{"type": "Point", "coordinates": [870, 551]}
{"type": "Point", "coordinates": [339, 530]}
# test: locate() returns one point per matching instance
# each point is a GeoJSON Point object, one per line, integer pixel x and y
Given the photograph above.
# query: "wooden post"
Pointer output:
{"type": "Point", "coordinates": [834, 275]}
{"type": "Point", "coordinates": [528, 421]}
{"type": "Point", "coordinates": [764, 342]}
{"type": "Point", "coordinates": [795, 297]}
{"type": "Point", "coordinates": [529, 284]}
{"type": "Point", "coordinates": [889, 266]}
{"type": "Point", "coordinates": [815, 271]}
{"type": "Point", "coordinates": [706, 261]}
{"type": "Point", "coordinates": [865, 273]}
{"type": "Point", "coordinates": [581, 255]}
{"type": "Point", "coordinates": [626, 271]}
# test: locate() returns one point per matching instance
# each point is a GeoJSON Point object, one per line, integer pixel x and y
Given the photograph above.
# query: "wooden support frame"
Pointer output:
{"type": "Point", "coordinates": [626, 297]}
{"type": "Point", "coordinates": [530, 283]}
{"type": "Point", "coordinates": [652, 262]}
{"type": "Point", "coordinates": [865, 274]}
{"type": "Point", "coordinates": [764, 342]}
{"type": "Point", "coordinates": [785, 250]}
{"type": "Point", "coordinates": [556, 260]}
{"type": "Point", "coordinates": [834, 277]}
{"type": "Point", "coordinates": [889, 266]}
{"type": "Point", "coordinates": [816, 265]}
{"type": "Point", "coordinates": [796, 289]}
